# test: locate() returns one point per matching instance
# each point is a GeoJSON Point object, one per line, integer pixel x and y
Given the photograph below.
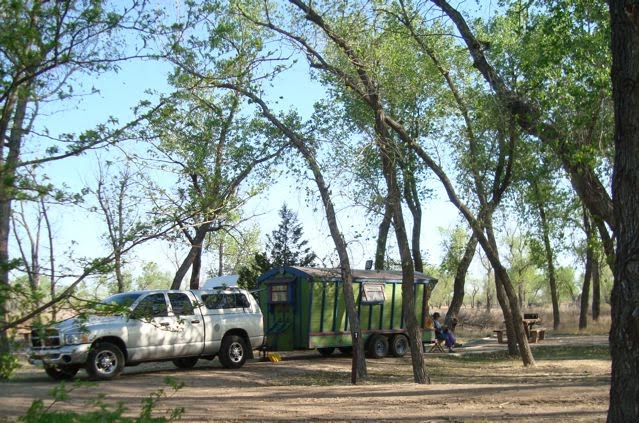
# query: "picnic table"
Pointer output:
{"type": "Point", "coordinates": [533, 333]}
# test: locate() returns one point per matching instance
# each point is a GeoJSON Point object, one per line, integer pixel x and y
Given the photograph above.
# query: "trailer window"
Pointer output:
{"type": "Point", "coordinates": [372, 293]}
{"type": "Point", "coordinates": [279, 293]}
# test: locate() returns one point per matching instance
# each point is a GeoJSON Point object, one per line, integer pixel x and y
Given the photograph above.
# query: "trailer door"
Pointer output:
{"type": "Point", "coordinates": [280, 313]}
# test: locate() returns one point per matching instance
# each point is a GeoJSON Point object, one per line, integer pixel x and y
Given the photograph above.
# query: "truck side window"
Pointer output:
{"type": "Point", "coordinates": [181, 304]}
{"type": "Point", "coordinates": [242, 301]}
{"type": "Point", "coordinates": [214, 301]}
{"type": "Point", "coordinates": [153, 305]}
{"type": "Point", "coordinates": [224, 300]}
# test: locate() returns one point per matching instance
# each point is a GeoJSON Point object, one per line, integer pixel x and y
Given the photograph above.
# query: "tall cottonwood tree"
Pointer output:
{"type": "Point", "coordinates": [361, 80]}
{"type": "Point", "coordinates": [620, 212]}
{"type": "Point", "coordinates": [238, 53]}
{"type": "Point", "coordinates": [43, 44]}
{"type": "Point", "coordinates": [539, 122]}
{"type": "Point", "coordinates": [213, 151]}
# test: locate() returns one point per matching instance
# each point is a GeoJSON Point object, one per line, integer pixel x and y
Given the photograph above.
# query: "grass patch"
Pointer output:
{"type": "Point", "coordinates": [550, 352]}
{"type": "Point", "coordinates": [572, 352]}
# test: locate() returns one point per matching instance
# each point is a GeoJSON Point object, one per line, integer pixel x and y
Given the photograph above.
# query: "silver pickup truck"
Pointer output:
{"type": "Point", "coordinates": [159, 325]}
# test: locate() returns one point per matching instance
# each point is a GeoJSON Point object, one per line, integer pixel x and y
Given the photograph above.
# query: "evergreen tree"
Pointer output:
{"type": "Point", "coordinates": [285, 244]}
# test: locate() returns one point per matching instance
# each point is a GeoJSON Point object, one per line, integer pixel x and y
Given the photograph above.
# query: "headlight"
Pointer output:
{"type": "Point", "coordinates": [76, 338]}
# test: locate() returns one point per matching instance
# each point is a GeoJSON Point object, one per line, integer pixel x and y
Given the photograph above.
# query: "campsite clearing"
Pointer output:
{"type": "Point", "coordinates": [569, 383]}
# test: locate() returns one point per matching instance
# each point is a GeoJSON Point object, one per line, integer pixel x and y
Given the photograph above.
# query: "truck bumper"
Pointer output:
{"type": "Point", "coordinates": [71, 354]}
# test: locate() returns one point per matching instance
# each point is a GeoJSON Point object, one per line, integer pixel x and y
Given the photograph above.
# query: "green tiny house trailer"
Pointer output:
{"type": "Point", "coordinates": [304, 308]}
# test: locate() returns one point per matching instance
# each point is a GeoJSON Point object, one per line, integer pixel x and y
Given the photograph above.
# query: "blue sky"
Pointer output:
{"type": "Point", "coordinates": [120, 92]}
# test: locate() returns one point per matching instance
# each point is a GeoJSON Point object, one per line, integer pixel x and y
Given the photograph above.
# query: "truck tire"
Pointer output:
{"type": "Point", "coordinates": [378, 346]}
{"type": "Point", "coordinates": [233, 352]}
{"type": "Point", "coordinates": [185, 362]}
{"type": "Point", "coordinates": [105, 362]}
{"type": "Point", "coordinates": [61, 372]}
{"type": "Point", "coordinates": [399, 345]}
{"type": "Point", "coordinates": [326, 351]}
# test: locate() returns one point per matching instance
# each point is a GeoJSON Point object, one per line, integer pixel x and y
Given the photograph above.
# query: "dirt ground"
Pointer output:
{"type": "Point", "coordinates": [307, 387]}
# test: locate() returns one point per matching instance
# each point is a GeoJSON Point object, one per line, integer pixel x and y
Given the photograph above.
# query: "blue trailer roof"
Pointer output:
{"type": "Point", "coordinates": [336, 274]}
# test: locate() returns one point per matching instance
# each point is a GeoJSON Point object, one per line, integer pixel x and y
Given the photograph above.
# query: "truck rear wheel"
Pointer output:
{"type": "Point", "coordinates": [233, 352]}
{"type": "Point", "coordinates": [399, 345]}
{"type": "Point", "coordinates": [61, 372]}
{"type": "Point", "coordinates": [378, 346]}
{"type": "Point", "coordinates": [106, 361]}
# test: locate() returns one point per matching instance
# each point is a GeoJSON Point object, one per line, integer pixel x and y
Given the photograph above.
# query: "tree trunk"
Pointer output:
{"type": "Point", "coordinates": [585, 292]}
{"type": "Point", "coordinates": [194, 251]}
{"type": "Point", "coordinates": [550, 265]}
{"type": "Point", "coordinates": [585, 289]}
{"type": "Point", "coordinates": [509, 304]}
{"type": "Point", "coordinates": [596, 289]}
{"type": "Point", "coordinates": [389, 165]}
{"type": "Point", "coordinates": [359, 361]}
{"type": "Point", "coordinates": [220, 258]}
{"type": "Point", "coordinates": [624, 331]}
{"type": "Point", "coordinates": [117, 257]}
{"type": "Point", "coordinates": [502, 300]}
{"type": "Point", "coordinates": [411, 196]}
{"type": "Point", "coordinates": [8, 170]}
{"type": "Point", "coordinates": [382, 237]}
{"type": "Point", "coordinates": [460, 280]}
{"type": "Point", "coordinates": [196, 269]}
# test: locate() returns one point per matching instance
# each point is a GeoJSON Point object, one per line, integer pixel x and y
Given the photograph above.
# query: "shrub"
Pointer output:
{"type": "Point", "coordinates": [9, 363]}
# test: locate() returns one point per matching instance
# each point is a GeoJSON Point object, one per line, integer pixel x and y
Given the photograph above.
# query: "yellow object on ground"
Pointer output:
{"type": "Point", "coordinates": [274, 357]}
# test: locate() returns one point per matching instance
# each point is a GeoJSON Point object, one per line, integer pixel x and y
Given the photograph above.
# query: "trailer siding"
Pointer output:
{"type": "Point", "coordinates": [314, 315]}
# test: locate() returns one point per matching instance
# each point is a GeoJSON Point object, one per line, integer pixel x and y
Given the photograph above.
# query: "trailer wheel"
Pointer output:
{"type": "Point", "coordinates": [399, 345]}
{"type": "Point", "coordinates": [233, 352]}
{"type": "Point", "coordinates": [378, 346]}
{"type": "Point", "coordinates": [326, 351]}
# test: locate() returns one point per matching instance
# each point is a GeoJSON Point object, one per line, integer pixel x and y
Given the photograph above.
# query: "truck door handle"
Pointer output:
{"type": "Point", "coordinates": [195, 321]}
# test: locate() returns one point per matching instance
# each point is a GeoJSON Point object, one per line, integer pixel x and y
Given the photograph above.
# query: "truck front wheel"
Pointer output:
{"type": "Point", "coordinates": [106, 361]}
{"type": "Point", "coordinates": [61, 372]}
{"type": "Point", "coordinates": [233, 352]}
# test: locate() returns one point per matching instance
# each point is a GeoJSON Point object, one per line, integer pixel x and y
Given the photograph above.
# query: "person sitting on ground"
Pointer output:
{"type": "Point", "coordinates": [442, 333]}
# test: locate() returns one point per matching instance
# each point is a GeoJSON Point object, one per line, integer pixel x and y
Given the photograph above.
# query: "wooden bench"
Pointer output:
{"type": "Point", "coordinates": [500, 335]}
{"type": "Point", "coordinates": [537, 335]}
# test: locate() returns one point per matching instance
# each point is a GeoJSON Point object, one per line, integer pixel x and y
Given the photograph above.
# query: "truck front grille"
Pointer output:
{"type": "Point", "coordinates": [41, 338]}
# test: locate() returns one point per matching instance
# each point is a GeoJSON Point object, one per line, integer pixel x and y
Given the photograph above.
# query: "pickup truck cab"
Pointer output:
{"type": "Point", "coordinates": [157, 325]}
